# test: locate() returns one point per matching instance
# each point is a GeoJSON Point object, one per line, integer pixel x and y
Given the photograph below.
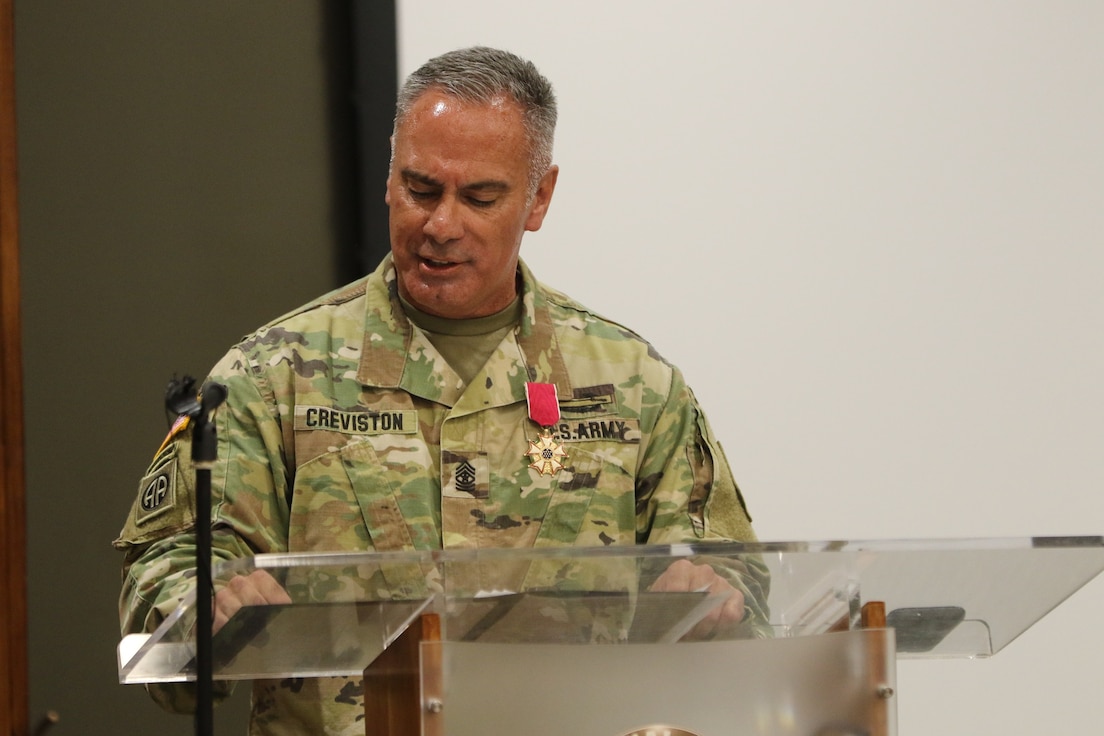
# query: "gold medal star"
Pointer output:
{"type": "Point", "coordinates": [546, 454]}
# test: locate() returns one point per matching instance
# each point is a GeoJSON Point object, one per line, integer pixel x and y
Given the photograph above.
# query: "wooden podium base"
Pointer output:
{"type": "Point", "coordinates": [394, 704]}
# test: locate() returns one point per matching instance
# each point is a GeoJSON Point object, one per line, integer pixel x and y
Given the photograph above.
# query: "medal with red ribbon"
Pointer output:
{"type": "Point", "coordinates": [547, 455]}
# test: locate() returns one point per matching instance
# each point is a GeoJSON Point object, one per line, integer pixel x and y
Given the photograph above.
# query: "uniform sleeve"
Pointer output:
{"type": "Point", "coordinates": [686, 493]}
{"type": "Point", "coordinates": [249, 510]}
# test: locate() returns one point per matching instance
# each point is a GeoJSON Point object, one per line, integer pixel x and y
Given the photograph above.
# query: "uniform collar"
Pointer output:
{"type": "Point", "coordinates": [393, 355]}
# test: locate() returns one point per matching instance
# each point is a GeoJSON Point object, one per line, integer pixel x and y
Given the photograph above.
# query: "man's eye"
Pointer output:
{"type": "Point", "coordinates": [477, 202]}
{"type": "Point", "coordinates": [422, 193]}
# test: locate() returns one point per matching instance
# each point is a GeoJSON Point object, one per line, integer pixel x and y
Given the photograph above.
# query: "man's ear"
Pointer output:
{"type": "Point", "coordinates": [542, 199]}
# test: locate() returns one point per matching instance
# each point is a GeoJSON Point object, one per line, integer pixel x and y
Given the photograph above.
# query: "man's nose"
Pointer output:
{"type": "Point", "coordinates": [444, 223]}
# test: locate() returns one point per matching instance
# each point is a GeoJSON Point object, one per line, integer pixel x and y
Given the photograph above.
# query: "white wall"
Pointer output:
{"type": "Point", "coordinates": [870, 234]}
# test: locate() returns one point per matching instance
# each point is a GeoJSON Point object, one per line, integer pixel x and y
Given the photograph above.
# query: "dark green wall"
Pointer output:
{"type": "Point", "coordinates": [183, 179]}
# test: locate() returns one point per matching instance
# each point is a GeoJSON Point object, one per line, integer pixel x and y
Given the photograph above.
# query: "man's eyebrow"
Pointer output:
{"type": "Point", "coordinates": [411, 175]}
{"type": "Point", "coordinates": [491, 185]}
{"type": "Point", "coordinates": [488, 185]}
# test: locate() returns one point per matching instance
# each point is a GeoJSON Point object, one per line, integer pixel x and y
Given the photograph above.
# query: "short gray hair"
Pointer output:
{"type": "Point", "coordinates": [479, 74]}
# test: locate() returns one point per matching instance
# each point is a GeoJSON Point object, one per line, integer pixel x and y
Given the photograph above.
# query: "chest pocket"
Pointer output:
{"type": "Point", "coordinates": [348, 499]}
{"type": "Point", "coordinates": [345, 500]}
{"type": "Point", "coordinates": [593, 499]}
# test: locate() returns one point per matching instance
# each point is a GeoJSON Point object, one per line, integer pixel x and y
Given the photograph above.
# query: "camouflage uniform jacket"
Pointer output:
{"type": "Point", "coordinates": [345, 430]}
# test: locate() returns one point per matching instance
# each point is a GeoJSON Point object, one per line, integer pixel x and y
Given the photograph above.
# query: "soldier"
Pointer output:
{"type": "Point", "coordinates": [449, 399]}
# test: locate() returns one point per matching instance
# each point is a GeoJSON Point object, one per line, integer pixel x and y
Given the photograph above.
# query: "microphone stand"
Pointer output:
{"type": "Point", "coordinates": [182, 399]}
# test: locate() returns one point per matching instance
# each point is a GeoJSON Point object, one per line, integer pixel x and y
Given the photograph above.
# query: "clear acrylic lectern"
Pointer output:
{"type": "Point", "coordinates": [576, 640]}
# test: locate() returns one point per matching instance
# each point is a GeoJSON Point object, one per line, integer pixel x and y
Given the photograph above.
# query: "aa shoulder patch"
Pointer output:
{"type": "Point", "coordinates": [156, 492]}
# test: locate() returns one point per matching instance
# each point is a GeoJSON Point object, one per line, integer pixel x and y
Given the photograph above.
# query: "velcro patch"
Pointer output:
{"type": "Point", "coordinates": [156, 493]}
{"type": "Point", "coordinates": [465, 476]}
{"type": "Point", "coordinates": [590, 405]}
{"type": "Point", "coordinates": [402, 421]}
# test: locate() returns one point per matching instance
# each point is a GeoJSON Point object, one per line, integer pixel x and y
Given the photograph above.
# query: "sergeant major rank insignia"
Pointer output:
{"type": "Point", "coordinates": [465, 477]}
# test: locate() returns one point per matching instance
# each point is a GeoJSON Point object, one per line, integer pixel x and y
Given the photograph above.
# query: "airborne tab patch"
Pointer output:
{"type": "Point", "coordinates": [402, 421]}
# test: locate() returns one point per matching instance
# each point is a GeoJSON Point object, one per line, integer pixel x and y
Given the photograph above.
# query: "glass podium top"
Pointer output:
{"type": "Point", "coordinates": [944, 598]}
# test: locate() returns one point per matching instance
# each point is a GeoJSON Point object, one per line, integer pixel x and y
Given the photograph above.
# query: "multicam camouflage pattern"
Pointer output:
{"type": "Point", "coordinates": [346, 430]}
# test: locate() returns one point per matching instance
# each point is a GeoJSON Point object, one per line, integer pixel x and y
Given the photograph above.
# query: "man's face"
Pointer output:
{"type": "Point", "coordinates": [459, 205]}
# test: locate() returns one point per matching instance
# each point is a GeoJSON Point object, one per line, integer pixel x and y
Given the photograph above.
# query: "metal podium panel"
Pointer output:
{"type": "Point", "coordinates": [832, 685]}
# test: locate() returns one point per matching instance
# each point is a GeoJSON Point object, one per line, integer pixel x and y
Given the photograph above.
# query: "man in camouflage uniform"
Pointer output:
{"type": "Point", "coordinates": [392, 415]}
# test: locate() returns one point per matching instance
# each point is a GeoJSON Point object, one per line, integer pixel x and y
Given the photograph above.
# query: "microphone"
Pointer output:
{"type": "Point", "coordinates": [181, 399]}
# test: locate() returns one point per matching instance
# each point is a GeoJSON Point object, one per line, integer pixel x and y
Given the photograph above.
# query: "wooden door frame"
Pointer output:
{"type": "Point", "coordinates": [14, 701]}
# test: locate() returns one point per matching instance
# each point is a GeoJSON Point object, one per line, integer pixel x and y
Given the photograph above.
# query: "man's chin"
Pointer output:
{"type": "Point", "coordinates": [436, 300]}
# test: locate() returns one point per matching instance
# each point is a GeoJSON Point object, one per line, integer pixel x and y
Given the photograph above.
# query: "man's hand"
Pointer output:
{"type": "Point", "coordinates": [683, 575]}
{"type": "Point", "coordinates": [258, 588]}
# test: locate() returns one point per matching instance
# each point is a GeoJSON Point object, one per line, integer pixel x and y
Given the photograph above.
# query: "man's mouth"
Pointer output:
{"type": "Point", "coordinates": [436, 265]}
